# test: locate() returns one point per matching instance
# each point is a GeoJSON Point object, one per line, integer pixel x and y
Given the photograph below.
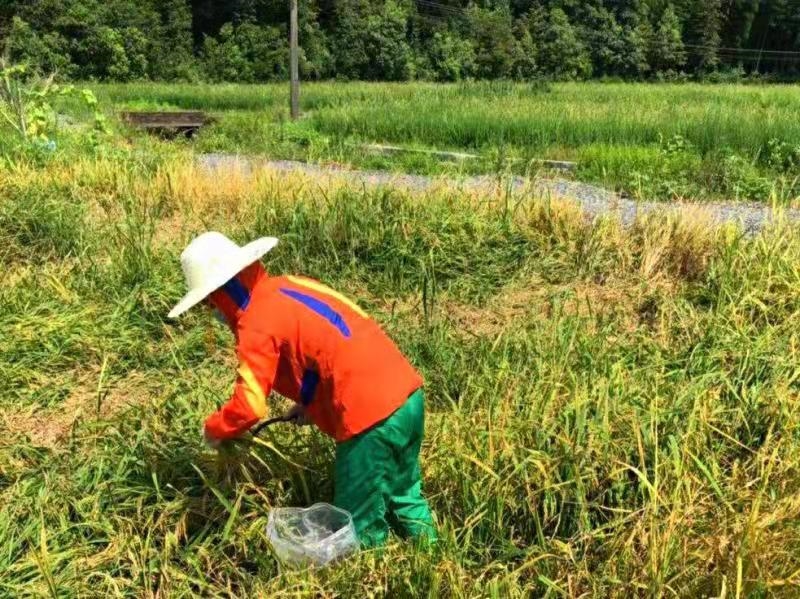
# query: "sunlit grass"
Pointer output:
{"type": "Point", "coordinates": [661, 141]}
{"type": "Point", "coordinates": [611, 413]}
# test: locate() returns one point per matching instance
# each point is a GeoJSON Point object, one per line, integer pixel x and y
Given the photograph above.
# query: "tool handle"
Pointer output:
{"type": "Point", "coordinates": [270, 422]}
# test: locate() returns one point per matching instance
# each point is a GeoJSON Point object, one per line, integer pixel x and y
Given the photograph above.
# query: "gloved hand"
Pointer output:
{"type": "Point", "coordinates": [297, 415]}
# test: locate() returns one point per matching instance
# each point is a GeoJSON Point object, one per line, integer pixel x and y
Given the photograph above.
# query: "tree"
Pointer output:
{"type": "Point", "coordinates": [526, 53]}
{"type": "Point", "coordinates": [563, 54]}
{"type": "Point", "coordinates": [48, 53]}
{"type": "Point", "coordinates": [706, 34]}
{"type": "Point", "coordinates": [247, 52]}
{"type": "Point", "coordinates": [667, 52]}
{"type": "Point", "coordinates": [6, 14]}
{"type": "Point", "coordinates": [452, 57]}
{"type": "Point", "coordinates": [101, 54]}
{"type": "Point", "coordinates": [636, 40]}
{"type": "Point", "coordinates": [741, 18]}
{"type": "Point", "coordinates": [494, 43]}
{"type": "Point", "coordinates": [136, 49]}
{"type": "Point", "coordinates": [385, 42]}
{"type": "Point", "coordinates": [316, 61]}
{"type": "Point", "coordinates": [785, 20]}
{"type": "Point", "coordinates": [605, 39]}
{"type": "Point", "coordinates": [397, 39]}
{"type": "Point", "coordinates": [371, 44]}
{"type": "Point", "coordinates": [172, 56]}
{"type": "Point", "coordinates": [223, 59]}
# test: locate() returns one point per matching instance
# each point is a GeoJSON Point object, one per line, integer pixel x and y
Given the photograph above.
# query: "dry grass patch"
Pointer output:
{"type": "Point", "coordinates": [90, 398]}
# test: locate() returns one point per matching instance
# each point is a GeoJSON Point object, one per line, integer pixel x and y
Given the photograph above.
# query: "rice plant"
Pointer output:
{"type": "Point", "coordinates": [612, 413]}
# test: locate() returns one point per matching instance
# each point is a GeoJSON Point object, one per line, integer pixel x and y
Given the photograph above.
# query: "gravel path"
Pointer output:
{"type": "Point", "coordinates": [594, 201]}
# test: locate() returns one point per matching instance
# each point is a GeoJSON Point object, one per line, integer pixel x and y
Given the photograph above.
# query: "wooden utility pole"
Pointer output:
{"type": "Point", "coordinates": [293, 58]}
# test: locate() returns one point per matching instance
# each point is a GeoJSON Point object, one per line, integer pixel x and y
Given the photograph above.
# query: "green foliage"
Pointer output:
{"type": "Point", "coordinates": [635, 63]}
{"type": "Point", "coordinates": [781, 155]}
{"type": "Point", "coordinates": [494, 42]}
{"type": "Point", "coordinates": [385, 43]}
{"type": "Point", "coordinates": [371, 45]}
{"type": "Point", "coordinates": [81, 46]}
{"type": "Point", "coordinates": [104, 53]}
{"type": "Point", "coordinates": [606, 40]}
{"type": "Point", "coordinates": [246, 52]}
{"type": "Point", "coordinates": [667, 52]}
{"type": "Point", "coordinates": [31, 108]}
{"type": "Point", "coordinates": [399, 40]}
{"type": "Point", "coordinates": [46, 53]}
{"type": "Point", "coordinates": [526, 54]}
{"type": "Point", "coordinates": [705, 34]}
{"type": "Point", "coordinates": [316, 61]}
{"type": "Point", "coordinates": [172, 45]}
{"type": "Point", "coordinates": [452, 58]}
{"type": "Point", "coordinates": [563, 54]}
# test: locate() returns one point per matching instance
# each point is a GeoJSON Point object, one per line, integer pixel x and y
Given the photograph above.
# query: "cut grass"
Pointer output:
{"type": "Point", "coordinates": [609, 414]}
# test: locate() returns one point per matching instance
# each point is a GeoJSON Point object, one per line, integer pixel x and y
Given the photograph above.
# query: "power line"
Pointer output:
{"type": "Point", "coordinates": [744, 50]}
{"type": "Point", "coordinates": [433, 20]}
{"type": "Point", "coordinates": [756, 60]}
{"type": "Point", "coordinates": [741, 54]}
{"type": "Point", "coordinates": [733, 57]}
{"type": "Point", "coordinates": [452, 10]}
{"type": "Point", "coordinates": [451, 7]}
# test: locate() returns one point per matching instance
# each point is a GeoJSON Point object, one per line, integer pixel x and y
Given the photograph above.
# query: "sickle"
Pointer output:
{"type": "Point", "coordinates": [270, 422]}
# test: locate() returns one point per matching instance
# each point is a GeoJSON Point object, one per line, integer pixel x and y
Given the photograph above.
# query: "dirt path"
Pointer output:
{"type": "Point", "coordinates": [594, 201]}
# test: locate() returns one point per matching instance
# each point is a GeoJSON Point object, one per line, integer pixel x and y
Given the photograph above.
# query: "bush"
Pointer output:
{"type": "Point", "coordinates": [780, 155]}
{"type": "Point", "coordinates": [370, 45]}
{"type": "Point", "coordinates": [247, 53]}
{"type": "Point", "coordinates": [48, 53]}
{"type": "Point", "coordinates": [563, 54]}
{"type": "Point", "coordinates": [494, 42]}
{"type": "Point", "coordinates": [452, 58]}
{"type": "Point", "coordinates": [385, 43]}
{"type": "Point", "coordinates": [223, 59]}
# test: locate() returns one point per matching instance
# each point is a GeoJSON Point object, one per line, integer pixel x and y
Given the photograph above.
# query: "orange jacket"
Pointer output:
{"type": "Point", "coordinates": [313, 346]}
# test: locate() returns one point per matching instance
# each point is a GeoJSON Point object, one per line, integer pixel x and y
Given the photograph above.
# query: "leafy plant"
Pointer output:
{"type": "Point", "coordinates": [23, 106]}
{"type": "Point", "coordinates": [27, 103]}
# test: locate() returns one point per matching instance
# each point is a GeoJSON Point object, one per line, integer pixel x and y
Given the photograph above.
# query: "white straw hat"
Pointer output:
{"type": "Point", "coordinates": [210, 261]}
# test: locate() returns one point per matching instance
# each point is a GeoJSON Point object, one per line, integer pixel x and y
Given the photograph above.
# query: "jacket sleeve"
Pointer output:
{"type": "Point", "coordinates": [258, 363]}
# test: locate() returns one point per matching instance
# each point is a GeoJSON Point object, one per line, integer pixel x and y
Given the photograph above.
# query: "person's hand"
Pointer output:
{"type": "Point", "coordinates": [297, 415]}
{"type": "Point", "coordinates": [210, 441]}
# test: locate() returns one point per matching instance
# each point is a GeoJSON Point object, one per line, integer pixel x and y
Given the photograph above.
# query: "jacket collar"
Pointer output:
{"type": "Point", "coordinates": [234, 297]}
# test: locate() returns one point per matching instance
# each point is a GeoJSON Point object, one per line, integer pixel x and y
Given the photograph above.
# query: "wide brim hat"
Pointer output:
{"type": "Point", "coordinates": [211, 260]}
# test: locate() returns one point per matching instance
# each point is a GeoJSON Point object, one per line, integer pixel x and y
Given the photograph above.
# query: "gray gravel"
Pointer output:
{"type": "Point", "coordinates": [594, 201]}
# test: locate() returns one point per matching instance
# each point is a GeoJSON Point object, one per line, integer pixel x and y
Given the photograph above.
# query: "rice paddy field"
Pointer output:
{"type": "Point", "coordinates": [611, 412]}
{"type": "Point", "coordinates": [670, 141]}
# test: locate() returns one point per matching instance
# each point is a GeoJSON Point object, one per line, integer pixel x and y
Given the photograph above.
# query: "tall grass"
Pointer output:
{"type": "Point", "coordinates": [690, 140]}
{"type": "Point", "coordinates": [610, 414]}
{"type": "Point", "coordinates": [740, 117]}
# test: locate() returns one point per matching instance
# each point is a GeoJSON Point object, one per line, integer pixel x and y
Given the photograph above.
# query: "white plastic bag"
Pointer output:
{"type": "Point", "coordinates": [314, 536]}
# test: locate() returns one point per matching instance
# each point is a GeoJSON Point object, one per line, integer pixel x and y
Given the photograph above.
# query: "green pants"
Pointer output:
{"type": "Point", "coordinates": [378, 477]}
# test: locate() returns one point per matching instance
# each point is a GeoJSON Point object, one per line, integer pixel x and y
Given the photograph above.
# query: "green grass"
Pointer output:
{"type": "Point", "coordinates": [692, 140]}
{"type": "Point", "coordinates": [609, 413]}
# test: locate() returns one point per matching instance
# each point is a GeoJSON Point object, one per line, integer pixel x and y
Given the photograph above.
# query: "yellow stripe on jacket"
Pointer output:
{"type": "Point", "coordinates": [325, 290]}
{"type": "Point", "coordinates": [253, 391]}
